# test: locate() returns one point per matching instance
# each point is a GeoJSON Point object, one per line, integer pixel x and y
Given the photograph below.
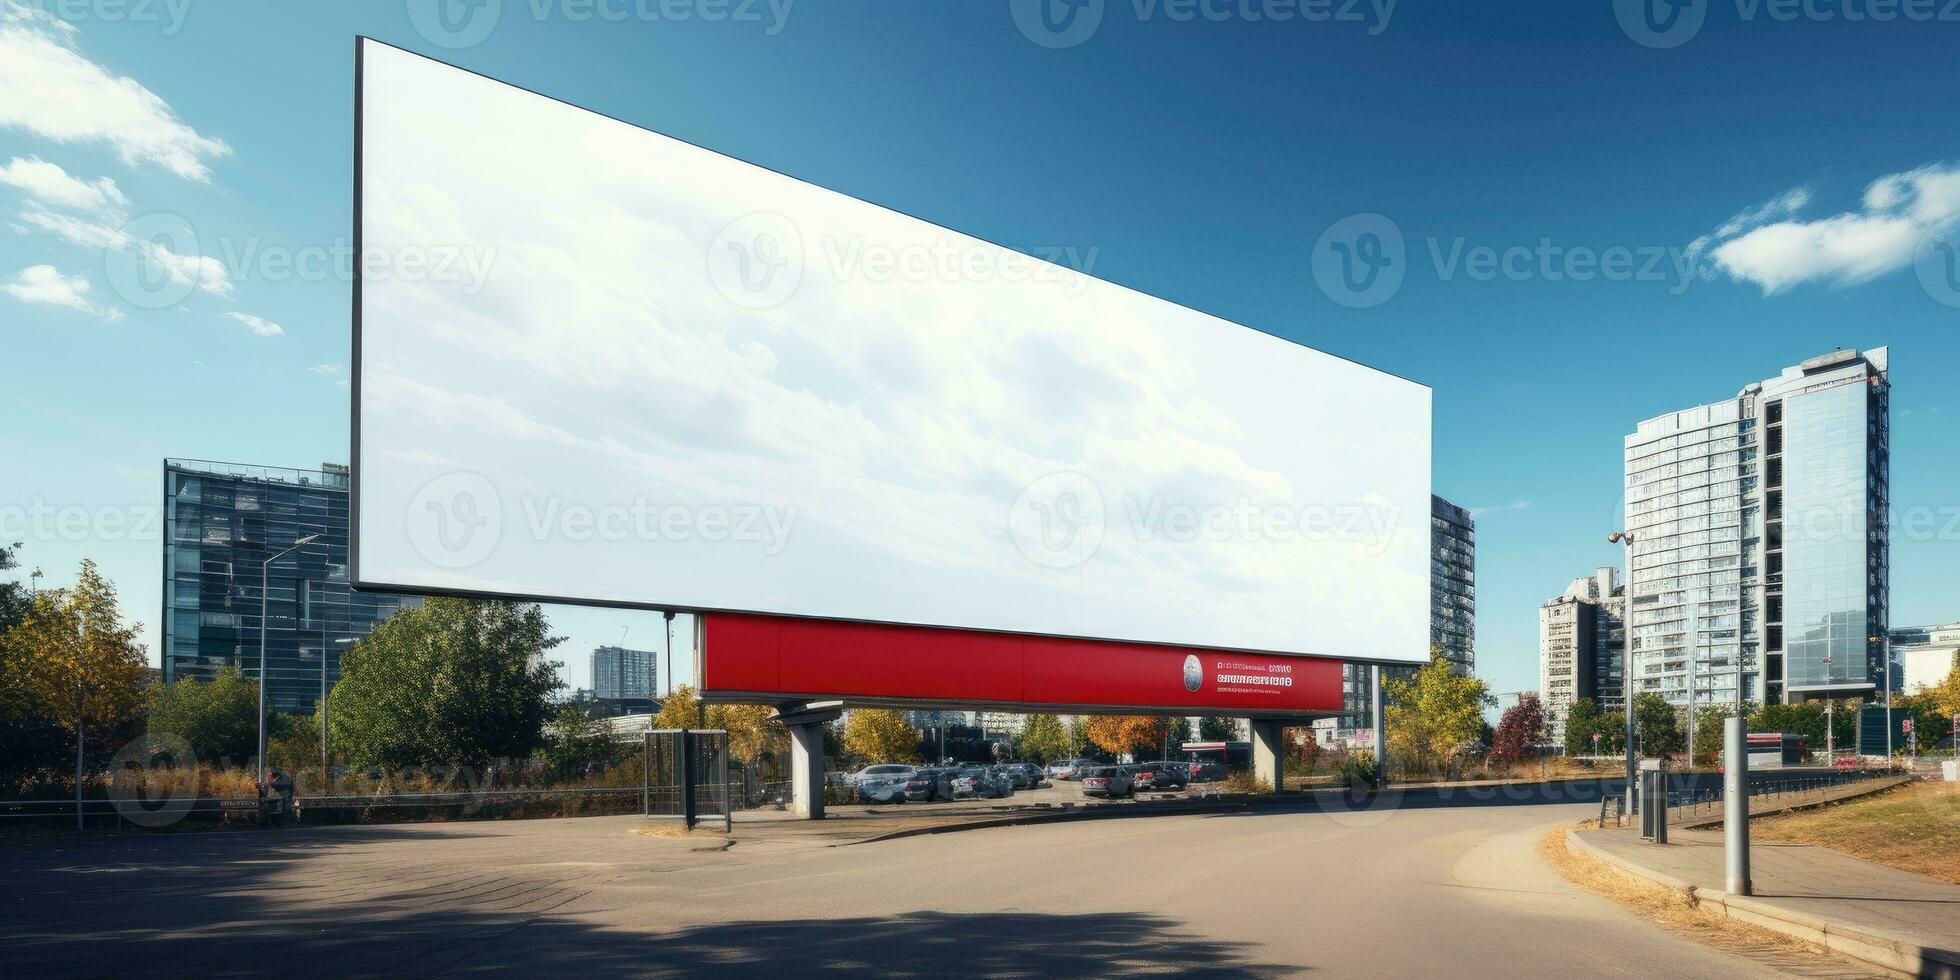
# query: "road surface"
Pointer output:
{"type": "Point", "coordinates": [1436, 892]}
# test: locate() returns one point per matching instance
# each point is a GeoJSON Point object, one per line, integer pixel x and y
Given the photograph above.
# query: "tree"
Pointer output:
{"type": "Point", "coordinates": [456, 682]}
{"type": "Point", "coordinates": [218, 717]}
{"type": "Point", "coordinates": [1434, 713]}
{"type": "Point", "coordinates": [1217, 728]}
{"type": "Point", "coordinates": [576, 743]}
{"type": "Point", "coordinates": [1711, 731]}
{"type": "Point", "coordinates": [1120, 734]}
{"type": "Point", "coordinates": [750, 727]}
{"type": "Point", "coordinates": [13, 598]}
{"type": "Point", "coordinates": [77, 663]}
{"type": "Point", "coordinates": [1518, 729]}
{"type": "Point", "coordinates": [1582, 722]}
{"type": "Point", "coordinates": [879, 735]}
{"type": "Point", "coordinates": [1797, 719]}
{"type": "Point", "coordinates": [1043, 739]}
{"type": "Point", "coordinates": [1946, 698]}
{"type": "Point", "coordinates": [1656, 725]}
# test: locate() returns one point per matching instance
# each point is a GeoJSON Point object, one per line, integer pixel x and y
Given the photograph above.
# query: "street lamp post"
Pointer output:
{"type": "Point", "coordinates": [265, 578]}
{"type": "Point", "coordinates": [1625, 539]}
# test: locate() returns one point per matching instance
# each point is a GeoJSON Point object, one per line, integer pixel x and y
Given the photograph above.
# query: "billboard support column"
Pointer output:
{"type": "Point", "coordinates": [805, 723]}
{"type": "Point", "coordinates": [1267, 751]}
{"type": "Point", "coordinates": [1378, 710]}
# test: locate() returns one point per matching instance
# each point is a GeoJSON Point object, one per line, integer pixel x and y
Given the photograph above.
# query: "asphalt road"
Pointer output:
{"type": "Point", "coordinates": [1446, 891]}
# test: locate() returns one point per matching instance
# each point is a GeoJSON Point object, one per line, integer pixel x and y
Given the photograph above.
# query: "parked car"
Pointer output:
{"type": "Point", "coordinates": [1160, 775]}
{"type": "Point", "coordinates": [890, 769]}
{"type": "Point", "coordinates": [1026, 775]}
{"type": "Point", "coordinates": [1108, 781]}
{"type": "Point", "coordinates": [1060, 769]}
{"type": "Point", "coordinates": [979, 781]}
{"type": "Point", "coordinates": [1076, 768]}
{"type": "Point", "coordinates": [926, 785]}
{"type": "Point", "coordinates": [883, 787]}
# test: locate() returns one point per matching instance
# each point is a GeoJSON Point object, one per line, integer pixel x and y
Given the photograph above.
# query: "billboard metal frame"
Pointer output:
{"type": "Point", "coordinates": [357, 581]}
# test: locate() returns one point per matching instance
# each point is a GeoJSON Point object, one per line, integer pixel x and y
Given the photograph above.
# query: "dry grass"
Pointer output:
{"type": "Point", "coordinates": [1913, 828]}
{"type": "Point", "coordinates": [709, 840]}
{"type": "Point", "coordinates": [1679, 914]}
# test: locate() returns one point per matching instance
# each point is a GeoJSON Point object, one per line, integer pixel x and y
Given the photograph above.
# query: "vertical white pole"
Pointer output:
{"type": "Point", "coordinates": [1735, 805]}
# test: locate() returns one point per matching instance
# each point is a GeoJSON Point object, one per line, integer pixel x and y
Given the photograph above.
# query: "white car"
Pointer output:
{"type": "Point", "coordinates": [880, 771]}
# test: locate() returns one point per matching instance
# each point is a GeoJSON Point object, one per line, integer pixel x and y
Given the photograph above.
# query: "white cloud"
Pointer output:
{"type": "Point", "coordinates": [1770, 247]}
{"type": "Point", "coordinates": [49, 88]}
{"type": "Point", "coordinates": [202, 271]}
{"type": "Point", "coordinates": [330, 369]}
{"type": "Point", "coordinates": [1514, 505]}
{"type": "Point", "coordinates": [258, 324]}
{"type": "Point", "coordinates": [46, 284]}
{"type": "Point", "coordinates": [48, 184]}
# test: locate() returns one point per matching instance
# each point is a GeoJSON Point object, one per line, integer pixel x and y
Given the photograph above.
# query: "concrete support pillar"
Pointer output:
{"type": "Point", "coordinates": [805, 723]}
{"type": "Point", "coordinates": [1379, 711]}
{"type": "Point", "coordinates": [1267, 749]}
{"type": "Point", "coordinates": [806, 771]}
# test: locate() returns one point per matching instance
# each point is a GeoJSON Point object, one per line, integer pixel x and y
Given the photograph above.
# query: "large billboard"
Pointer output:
{"type": "Point", "coordinates": [599, 364]}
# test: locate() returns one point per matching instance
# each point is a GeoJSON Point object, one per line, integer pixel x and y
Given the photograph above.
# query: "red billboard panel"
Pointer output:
{"type": "Point", "coordinates": [776, 658]}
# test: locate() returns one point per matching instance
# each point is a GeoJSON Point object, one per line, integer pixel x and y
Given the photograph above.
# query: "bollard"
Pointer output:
{"type": "Point", "coordinates": [1735, 811]}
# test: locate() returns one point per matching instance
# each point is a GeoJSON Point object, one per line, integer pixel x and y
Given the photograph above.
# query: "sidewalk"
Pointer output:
{"type": "Point", "coordinates": [1891, 918]}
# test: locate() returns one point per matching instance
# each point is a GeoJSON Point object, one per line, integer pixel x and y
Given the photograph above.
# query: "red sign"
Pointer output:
{"type": "Point", "coordinates": [778, 658]}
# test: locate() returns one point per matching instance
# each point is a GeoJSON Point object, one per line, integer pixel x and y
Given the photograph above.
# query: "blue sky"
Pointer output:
{"type": "Point", "coordinates": [1201, 158]}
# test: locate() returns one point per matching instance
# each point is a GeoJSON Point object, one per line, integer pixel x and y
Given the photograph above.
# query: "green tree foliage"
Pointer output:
{"type": "Point", "coordinates": [576, 744]}
{"type": "Point", "coordinates": [1945, 698]}
{"type": "Point", "coordinates": [218, 717]}
{"type": "Point", "coordinates": [13, 595]}
{"type": "Point", "coordinates": [1217, 728]}
{"type": "Point", "coordinates": [1584, 719]}
{"type": "Point", "coordinates": [1931, 723]}
{"type": "Point", "coordinates": [1656, 725]}
{"type": "Point", "coordinates": [1434, 714]}
{"type": "Point", "coordinates": [72, 660]}
{"type": "Point", "coordinates": [879, 735]}
{"type": "Point", "coordinates": [456, 682]}
{"type": "Point", "coordinates": [1798, 719]}
{"type": "Point", "coordinates": [1043, 739]}
{"type": "Point", "coordinates": [1518, 729]}
{"type": "Point", "coordinates": [1711, 731]}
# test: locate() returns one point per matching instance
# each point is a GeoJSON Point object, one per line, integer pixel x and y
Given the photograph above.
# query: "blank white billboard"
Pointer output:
{"type": "Point", "coordinates": [597, 364]}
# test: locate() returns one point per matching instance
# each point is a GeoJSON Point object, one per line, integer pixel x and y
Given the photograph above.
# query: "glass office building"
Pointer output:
{"type": "Point", "coordinates": [1759, 554]}
{"type": "Point", "coordinates": [621, 673]}
{"type": "Point", "coordinates": [222, 521]}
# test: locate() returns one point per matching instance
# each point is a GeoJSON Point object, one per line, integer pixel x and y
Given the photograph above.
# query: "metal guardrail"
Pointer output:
{"type": "Point", "coordinates": [124, 808]}
{"type": "Point", "coordinates": [1766, 785]}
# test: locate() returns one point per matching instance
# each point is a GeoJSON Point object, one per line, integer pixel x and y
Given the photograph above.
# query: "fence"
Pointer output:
{"type": "Point", "coordinates": [1769, 786]}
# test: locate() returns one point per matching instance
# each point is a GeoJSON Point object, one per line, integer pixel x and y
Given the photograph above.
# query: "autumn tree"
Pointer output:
{"type": "Point", "coordinates": [456, 682]}
{"type": "Point", "coordinates": [1518, 728]}
{"type": "Point", "coordinates": [1434, 713]}
{"type": "Point", "coordinates": [750, 727]}
{"type": "Point", "coordinates": [880, 735]}
{"type": "Point", "coordinates": [1126, 734]}
{"type": "Point", "coordinates": [1946, 698]}
{"type": "Point", "coordinates": [1043, 739]}
{"type": "Point", "coordinates": [75, 662]}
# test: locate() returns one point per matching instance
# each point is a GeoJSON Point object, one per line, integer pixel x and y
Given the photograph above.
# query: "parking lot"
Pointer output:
{"type": "Point", "coordinates": [1070, 781]}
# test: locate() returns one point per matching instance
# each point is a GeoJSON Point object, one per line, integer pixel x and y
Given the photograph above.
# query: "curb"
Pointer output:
{"type": "Point", "coordinates": [1877, 947]}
